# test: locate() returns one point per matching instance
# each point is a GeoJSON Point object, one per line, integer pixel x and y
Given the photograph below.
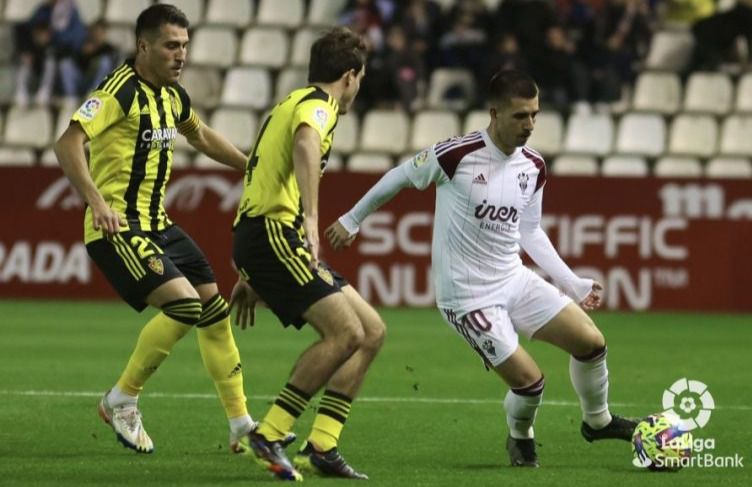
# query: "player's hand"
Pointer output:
{"type": "Point", "coordinates": [246, 300]}
{"type": "Point", "coordinates": [338, 237]}
{"type": "Point", "coordinates": [106, 219]}
{"type": "Point", "coordinates": [593, 300]}
{"type": "Point", "coordinates": [311, 226]}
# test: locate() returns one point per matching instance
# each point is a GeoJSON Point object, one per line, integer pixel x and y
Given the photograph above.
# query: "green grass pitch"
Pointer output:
{"type": "Point", "coordinates": [429, 414]}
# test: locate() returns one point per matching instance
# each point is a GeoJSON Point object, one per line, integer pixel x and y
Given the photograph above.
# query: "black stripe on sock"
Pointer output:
{"type": "Point", "coordinates": [304, 395]}
{"type": "Point", "coordinates": [337, 395]}
{"type": "Point", "coordinates": [592, 356]}
{"type": "Point", "coordinates": [332, 414]}
{"type": "Point", "coordinates": [533, 389]}
{"type": "Point", "coordinates": [288, 407]}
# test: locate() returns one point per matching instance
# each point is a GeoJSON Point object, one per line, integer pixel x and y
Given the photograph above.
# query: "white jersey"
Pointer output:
{"type": "Point", "coordinates": [482, 197]}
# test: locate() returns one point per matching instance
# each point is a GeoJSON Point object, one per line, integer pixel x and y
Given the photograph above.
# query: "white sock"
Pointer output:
{"type": "Point", "coordinates": [590, 381]}
{"type": "Point", "coordinates": [521, 406]}
{"type": "Point", "coordinates": [240, 425]}
{"type": "Point", "coordinates": [116, 397]}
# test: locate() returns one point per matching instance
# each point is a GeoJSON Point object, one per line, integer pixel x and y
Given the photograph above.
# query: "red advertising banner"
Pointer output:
{"type": "Point", "coordinates": [653, 243]}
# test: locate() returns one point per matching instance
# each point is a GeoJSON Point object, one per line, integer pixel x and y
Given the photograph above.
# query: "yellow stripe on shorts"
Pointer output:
{"type": "Point", "coordinates": [129, 258]}
{"type": "Point", "coordinates": [302, 276]}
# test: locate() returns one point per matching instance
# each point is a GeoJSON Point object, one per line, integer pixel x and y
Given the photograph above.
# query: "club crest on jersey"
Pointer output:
{"type": "Point", "coordinates": [325, 275]}
{"type": "Point", "coordinates": [90, 108]}
{"type": "Point", "coordinates": [522, 179]}
{"type": "Point", "coordinates": [156, 265]}
{"type": "Point", "coordinates": [420, 159]}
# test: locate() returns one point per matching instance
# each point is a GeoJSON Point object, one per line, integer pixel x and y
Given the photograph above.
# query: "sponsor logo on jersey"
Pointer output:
{"type": "Point", "coordinates": [90, 108]}
{"type": "Point", "coordinates": [500, 214]}
{"type": "Point", "coordinates": [156, 265]}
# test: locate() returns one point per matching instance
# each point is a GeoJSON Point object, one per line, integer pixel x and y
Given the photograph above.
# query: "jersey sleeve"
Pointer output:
{"type": "Point", "coordinates": [100, 111]}
{"type": "Point", "coordinates": [187, 120]}
{"type": "Point", "coordinates": [423, 169]}
{"type": "Point", "coordinates": [316, 113]}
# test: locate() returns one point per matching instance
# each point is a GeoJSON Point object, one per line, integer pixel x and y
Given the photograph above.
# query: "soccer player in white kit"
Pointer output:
{"type": "Point", "coordinates": [489, 194]}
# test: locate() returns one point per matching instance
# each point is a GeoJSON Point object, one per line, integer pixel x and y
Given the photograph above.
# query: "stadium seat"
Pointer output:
{"type": "Point", "coordinates": [123, 37]}
{"type": "Point", "coordinates": [124, 11]}
{"type": "Point", "coordinates": [288, 80]}
{"type": "Point", "coordinates": [202, 161]}
{"type": "Point", "coordinates": [346, 134]}
{"type": "Point", "coordinates": [678, 167]}
{"type": "Point", "coordinates": [589, 134]}
{"type": "Point", "coordinates": [641, 134]}
{"type": "Point", "coordinates": [181, 159]}
{"type": "Point", "coordinates": [729, 167]}
{"type": "Point", "coordinates": [264, 47]}
{"type": "Point", "coordinates": [744, 94]}
{"type": "Point", "coordinates": [193, 9]}
{"type": "Point", "coordinates": [624, 166]}
{"type": "Point", "coordinates": [213, 46]}
{"type": "Point", "coordinates": [90, 10]}
{"type": "Point", "coordinates": [301, 46]}
{"type": "Point", "coordinates": [709, 93]}
{"type": "Point", "coordinates": [247, 87]}
{"type": "Point", "coordinates": [335, 162]}
{"type": "Point", "coordinates": [432, 126]}
{"type": "Point", "coordinates": [693, 135]}
{"type": "Point", "coordinates": [476, 120]}
{"type": "Point", "coordinates": [288, 13]}
{"type": "Point", "coordinates": [48, 158]}
{"type": "Point", "coordinates": [11, 156]}
{"type": "Point", "coordinates": [204, 86]}
{"type": "Point", "coordinates": [736, 136]}
{"type": "Point", "coordinates": [238, 125]}
{"type": "Point", "coordinates": [325, 12]}
{"type": "Point", "coordinates": [451, 89]}
{"type": "Point", "coordinates": [7, 84]}
{"type": "Point", "coordinates": [549, 129]}
{"type": "Point", "coordinates": [20, 10]}
{"type": "Point", "coordinates": [369, 163]}
{"type": "Point", "coordinates": [575, 165]}
{"type": "Point", "coordinates": [670, 51]}
{"type": "Point", "coordinates": [237, 13]}
{"type": "Point", "coordinates": [30, 127]}
{"type": "Point", "coordinates": [385, 131]}
{"type": "Point", "coordinates": [657, 92]}
{"type": "Point", "coordinates": [7, 40]}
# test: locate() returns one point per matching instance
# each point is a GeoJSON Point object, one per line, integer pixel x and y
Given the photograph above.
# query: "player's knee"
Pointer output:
{"type": "Point", "coordinates": [591, 345]}
{"type": "Point", "coordinates": [186, 310]}
{"type": "Point", "coordinates": [351, 338]}
{"type": "Point", "coordinates": [375, 335]}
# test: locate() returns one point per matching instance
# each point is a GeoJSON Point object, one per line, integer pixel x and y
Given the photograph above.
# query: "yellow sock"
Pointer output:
{"type": "Point", "coordinates": [221, 357]}
{"type": "Point", "coordinates": [334, 408]}
{"type": "Point", "coordinates": [154, 344]}
{"type": "Point", "coordinates": [289, 405]}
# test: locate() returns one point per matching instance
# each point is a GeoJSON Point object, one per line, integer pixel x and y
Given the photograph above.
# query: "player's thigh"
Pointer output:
{"type": "Point", "coordinates": [373, 326]}
{"type": "Point", "coordinates": [488, 331]}
{"type": "Point", "coordinates": [190, 260]}
{"type": "Point", "coordinates": [136, 267]}
{"type": "Point", "coordinates": [572, 330]}
{"type": "Point", "coordinates": [333, 317]}
{"type": "Point", "coordinates": [534, 304]}
{"type": "Point", "coordinates": [519, 369]}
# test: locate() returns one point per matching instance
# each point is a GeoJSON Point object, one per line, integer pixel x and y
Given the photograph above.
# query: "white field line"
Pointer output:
{"type": "Point", "coordinates": [366, 399]}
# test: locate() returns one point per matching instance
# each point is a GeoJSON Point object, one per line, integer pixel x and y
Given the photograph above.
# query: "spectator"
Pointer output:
{"type": "Point", "coordinates": [685, 12]}
{"type": "Point", "coordinates": [80, 74]}
{"type": "Point", "coordinates": [421, 21]}
{"type": "Point", "coordinates": [364, 18]}
{"type": "Point", "coordinates": [505, 54]}
{"type": "Point", "coordinates": [716, 37]}
{"type": "Point", "coordinates": [463, 45]}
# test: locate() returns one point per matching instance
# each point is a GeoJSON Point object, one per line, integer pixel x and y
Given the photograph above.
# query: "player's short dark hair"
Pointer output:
{"type": "Point", "coordinates": [511, 83]}
{"type": "Point", "coordinates": [154, 17]}
{"type": "Point", "coordinates": [335, 53]}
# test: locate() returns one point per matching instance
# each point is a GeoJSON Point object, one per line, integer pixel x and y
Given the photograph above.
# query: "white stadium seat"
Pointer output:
{"type": "Point", "coordinates": [729, 167]}
{"type": "Point", "coordinates": [124, 38]}
{"type": "Point", "coordinates": [49, 159]}
{"type": "Point", "coordinates": [346, 134]}
{"type": "Point", "coordinates": [10, 156]}
{"type": "Point", "coordinates": [744, 93]}
{"type": "Point", "coordinates": [451, 89]}
{"type": "Point", "coordinates": [641, 134]}
{"type": "Point", "coordinates": [432, 126]}
{"type": "Point", "coordinates": [693, 135]}
{"type": "Point", "coordinates": [213, 46]}
{"type": "Point", "coordinates": [670, 51]}
{"type": "Point", "coordinates": [476, 120]}
{"type": "Point", "coordinates": [7, 83]}
{"type": "Point", "coordinates": [202, 161]}
{"type": "Point", "coordinates": [288, 80]}
{"type": "Point", "coordinates": [369, 163]}
{"type": "Point", "coordinates": [589, 134]}
{"type": "Point", "coordinates": [193, 9]}
{"type": "Point", "coordinates": [89, 10]}
{"type": "Point", "coordinates": [624, 166]}
{"type": "Point", "coordinates": [124, 11]}
{"type": "Point", "coordinates": [736, 136]}
{"type": "Point", "coordinates": [20, 10]}
{"type": "Point", "coordinates": [657, 92]}
{"type": "Point", "coordinates": [238, 125]}
{"type": "Point", "coordinates": [264, 47]}
{"type": "Point", "coordinates": [549, 130]}
{"type": "Point", "coordinates": [385, 131]}
{"type": "Point", "coordinates": [31, 127]}
{"type": "Point", "coordinates": [7, 40]}
{"type": "Point", "coordinates": [325, 12]}
{"type": "Point", "coordinates": [335, 162]}
{"type": "Point", "coordinates": [575, 165]}
{"type": "Point", "coordinates": [247, 87]}
{"type": "Point", "coordinates": [238, 13]}
{"type": "Point", "coordinates": [204, 86]}
{"type": "Point", "coordinates": [709, 93]}
{"type": "Point", "coordinates": [301, 46]}
{"type": "Point", "coordinates": [181, 159]}
{"type": "Point", "coordinates": [287, 13]}
{"type": "Point", "coordinates": [678, 167]}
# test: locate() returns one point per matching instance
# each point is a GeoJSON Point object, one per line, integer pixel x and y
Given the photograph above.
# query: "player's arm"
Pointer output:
{"type": "Point", "coordinates": [306, 156]}
{"type": "Point", "coordinates": [539, 247]}
{"type": "Point", "coordinates": [215, 145]}
{"type": "Point", "coordinates": [69, 150]}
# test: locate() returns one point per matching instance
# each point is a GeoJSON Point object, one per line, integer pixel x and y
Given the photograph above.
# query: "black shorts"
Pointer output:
{"type": "Point", "coordinates": [136, 262]}
{"type": "Point", "coordinates": [275, 260]}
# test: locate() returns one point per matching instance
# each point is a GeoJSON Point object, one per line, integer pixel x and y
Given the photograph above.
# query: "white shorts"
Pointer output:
{"type": "Point", "coordinates": [494, 331]}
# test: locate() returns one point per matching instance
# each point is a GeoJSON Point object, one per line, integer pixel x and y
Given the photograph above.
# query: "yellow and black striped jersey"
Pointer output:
{"type": "Point", "coordinates": [132, 126]}
{"type": "Point", "coordinates": [270, 188]}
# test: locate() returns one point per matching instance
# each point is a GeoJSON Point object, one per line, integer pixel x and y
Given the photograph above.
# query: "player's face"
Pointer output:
{"type": "Point", "coordinates": [512, 122]}
{"type": "Point", "coordinates": [351, 90]}
{"type": "Point", "coordinates": [166, 53]}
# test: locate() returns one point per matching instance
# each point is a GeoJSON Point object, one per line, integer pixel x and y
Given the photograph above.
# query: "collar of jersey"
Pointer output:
{"type": "Point", "coordinates": [490, 144]}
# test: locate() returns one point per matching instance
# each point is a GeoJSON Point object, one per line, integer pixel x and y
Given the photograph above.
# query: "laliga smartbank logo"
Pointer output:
{"type": "Point", "coordinates": [688, 405]}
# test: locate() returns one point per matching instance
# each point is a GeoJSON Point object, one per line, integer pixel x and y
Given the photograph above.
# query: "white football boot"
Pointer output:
{"type": "Point", "coordinates": [126, 422]}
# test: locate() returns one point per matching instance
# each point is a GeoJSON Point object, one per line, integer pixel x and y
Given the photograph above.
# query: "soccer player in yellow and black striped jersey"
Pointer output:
{"type": "Point", "coordinates": [131, 121]}
{"type": "Point", "coordinates": [276, 246]}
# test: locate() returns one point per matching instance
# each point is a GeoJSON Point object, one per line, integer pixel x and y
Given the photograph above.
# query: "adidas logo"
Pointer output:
{"type": "Point", "coordinates": [480, 179]}
{"type": "Point", "coordinates": [235, 371]}
{"type": "Point", "coordinates": [145, 110]}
